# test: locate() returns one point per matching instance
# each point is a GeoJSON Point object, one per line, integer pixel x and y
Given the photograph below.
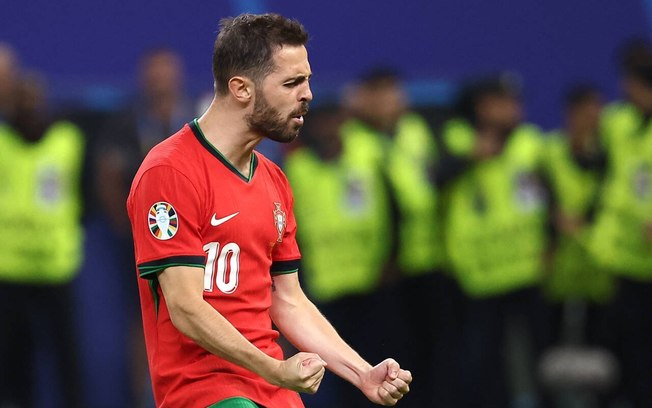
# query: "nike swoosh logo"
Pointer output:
{"type": "Point", "coordinates": [217, 221]}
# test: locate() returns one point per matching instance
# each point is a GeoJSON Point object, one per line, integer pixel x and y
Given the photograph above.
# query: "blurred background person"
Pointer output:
{"type": "Point", "coordinates": [403, 146]}
{"type": "Point", "coordinates": [160, 106]}
{"type": "Point", "coordinates": [8, 79]}
{"type": "Point", "coordinates": [575, 168]}
{"type": "Point", "coordinates": [115, 367]}
{"type": "Point", "coordinates": [622, 240]}
{"type": "Point", "coordinates": [342, 205]}
{"type": "Point", "coordinates": [496, 237]}
{"type": "Point", "coordinates": [41, 162]}
{"type": "Point", "coordinates": [579, 288]}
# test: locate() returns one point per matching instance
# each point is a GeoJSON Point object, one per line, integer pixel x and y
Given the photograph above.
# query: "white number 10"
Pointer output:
{"type": "Point", "coordinates": [225, 273]}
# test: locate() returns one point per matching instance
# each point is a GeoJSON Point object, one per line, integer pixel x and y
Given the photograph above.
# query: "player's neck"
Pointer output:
{"type": "Point", "coordinates": [226, 129]}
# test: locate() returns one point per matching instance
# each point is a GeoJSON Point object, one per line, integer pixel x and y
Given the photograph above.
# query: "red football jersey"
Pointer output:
{"type": "Point", "coordinates": [188, 205]}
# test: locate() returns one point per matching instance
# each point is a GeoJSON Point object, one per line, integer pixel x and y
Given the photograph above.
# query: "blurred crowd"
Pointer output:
{"type": "Point", "coordinates": [518, 263]}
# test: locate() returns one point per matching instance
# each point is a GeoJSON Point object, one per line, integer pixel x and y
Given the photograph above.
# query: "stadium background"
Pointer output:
{"type": "Point", "coordinates": [88, 51]}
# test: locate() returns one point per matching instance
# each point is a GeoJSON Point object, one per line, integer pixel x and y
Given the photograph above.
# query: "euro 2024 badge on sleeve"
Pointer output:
{"type": "Point", "coordinates": [162, 220]}
{"type": "Point", "coordinates": [280, 221]}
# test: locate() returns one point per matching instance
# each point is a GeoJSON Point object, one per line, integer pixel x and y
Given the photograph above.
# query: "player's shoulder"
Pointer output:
{"type": "Point", "coordinates": [176, 153]}
{"type": "Point", "coordinates": [170, 151]}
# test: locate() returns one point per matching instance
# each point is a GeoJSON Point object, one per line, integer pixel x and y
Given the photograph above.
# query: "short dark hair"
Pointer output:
{"type": "Point", "coordinates": [579, 94]}
{"type": "Point", "coordinates": [633, 53]}
{"type": "Point", "coordinates": [156, 51]}
{"type": "Point", "coordinates": [636, 59]}
{"type": "Point", "coordinates": [245, 45]}
{"type": "Point", "coordinates": [502, 84]}
{"type": "Point", "coordinates": [378, 76]}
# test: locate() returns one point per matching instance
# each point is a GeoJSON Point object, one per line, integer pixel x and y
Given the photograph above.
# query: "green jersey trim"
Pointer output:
{"type": "Point", "coordinates": [253, 163]}
{"type": "Point", "coordinates": [153, 287]}
{"type": "Point", "coordinates": [148, 270]}
{"type": "Point", "coordinates": [285, 272]}
{"type": "Point", "coordinates": [284, 267]}
{"type": "Point", "coordinates": [235, 402]}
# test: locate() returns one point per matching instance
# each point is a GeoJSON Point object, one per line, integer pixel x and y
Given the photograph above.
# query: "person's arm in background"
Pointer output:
{"type": "Point", "coordinates": [307, 329]}
{"type": "Point", "coordinates": [183, 288]}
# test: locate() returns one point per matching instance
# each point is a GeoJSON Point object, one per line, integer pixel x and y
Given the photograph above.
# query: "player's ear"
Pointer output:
{"type": "Point", "coordinates": [241, 88]}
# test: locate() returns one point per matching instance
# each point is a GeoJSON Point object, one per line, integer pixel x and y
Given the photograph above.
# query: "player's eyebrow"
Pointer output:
{"type": "Point", "coordinates": [297, 79]}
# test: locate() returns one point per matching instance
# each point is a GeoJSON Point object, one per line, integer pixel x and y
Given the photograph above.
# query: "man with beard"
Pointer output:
{"type": "Point", "coordinates": [215, 244]}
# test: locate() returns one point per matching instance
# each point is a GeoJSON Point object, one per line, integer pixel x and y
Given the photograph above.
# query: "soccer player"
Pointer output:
{"type": "Point", "coordinates": [215, 243]}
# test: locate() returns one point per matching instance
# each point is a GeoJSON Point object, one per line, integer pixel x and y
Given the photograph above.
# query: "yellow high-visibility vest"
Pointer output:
{"type": "Point", "coordinates": [40, 205]}
{"type": "Point", "coordinates": [619, 240]}
{"type": "Point", "coordinates": [495, 220]}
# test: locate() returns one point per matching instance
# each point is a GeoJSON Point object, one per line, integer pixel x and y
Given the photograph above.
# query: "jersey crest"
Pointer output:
{"type": "Point", "coordinates": [280, 221]}
{"type": "Point", "coordinates": [163, 221]}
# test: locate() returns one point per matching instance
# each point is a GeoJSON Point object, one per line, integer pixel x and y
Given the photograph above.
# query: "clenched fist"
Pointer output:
{"type": "Point", "coordinates": [386, 383]}
{"type": "Point", "coordinates": [302, 372]}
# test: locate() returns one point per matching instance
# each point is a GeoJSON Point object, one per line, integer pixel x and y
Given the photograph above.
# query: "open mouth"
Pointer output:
{"type": "Point", "coordinates": [299, 116]}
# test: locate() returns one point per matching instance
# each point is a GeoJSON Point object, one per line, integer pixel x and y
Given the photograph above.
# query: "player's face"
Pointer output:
{"type": "Point", "coordinates": [283, 96]}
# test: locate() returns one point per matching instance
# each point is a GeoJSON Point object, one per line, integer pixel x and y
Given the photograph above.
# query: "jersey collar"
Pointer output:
{"type": "Point", "coordinates": [196, 130]}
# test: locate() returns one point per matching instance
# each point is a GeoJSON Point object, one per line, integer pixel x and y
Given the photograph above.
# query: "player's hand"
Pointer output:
{"type": "Point", "coordinates": [302, 372]}
{"type": "Point", "coordinates": [386, 383]}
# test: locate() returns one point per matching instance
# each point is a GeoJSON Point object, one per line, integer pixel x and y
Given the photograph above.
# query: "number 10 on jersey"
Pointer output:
{"type": "Point", "coordinates": [222, 267]}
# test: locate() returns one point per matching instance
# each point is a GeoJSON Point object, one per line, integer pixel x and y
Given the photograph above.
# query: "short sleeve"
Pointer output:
{"type": "Point", "coordinates": [164, 209]}
{"type": "Point", "coordinates": [286, 255]}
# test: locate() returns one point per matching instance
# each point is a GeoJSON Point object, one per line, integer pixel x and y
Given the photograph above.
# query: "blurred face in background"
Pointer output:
{"type": "Point", "coordinates": [584, 116]}
{"type": "Point", "coordinates": [499, 112]}
{"type": "Point", "coordinates": [161, 74]}
{"type": "Point", "coordinates": [30, 94]}
{"type": "Point", "coordinates": [381, 103]}
{"type": "Point", "coordinates": [8, 78]}
{"type": "Point", "coordinates": [322, 132]}
{"type": "Point", "coordinates": [29, 113]}
{"type": "Point", "coordinates": [638, 92]}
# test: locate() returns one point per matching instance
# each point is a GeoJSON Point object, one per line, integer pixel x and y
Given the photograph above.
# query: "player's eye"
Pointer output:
{"type": "Point", "coordinates": [296, 82]}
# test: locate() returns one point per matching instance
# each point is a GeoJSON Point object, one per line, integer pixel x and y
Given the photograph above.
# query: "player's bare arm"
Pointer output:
{"type": "Point", "coordinates": [307, 329]}
{"type": "Point", "coordinates": [182, 288]}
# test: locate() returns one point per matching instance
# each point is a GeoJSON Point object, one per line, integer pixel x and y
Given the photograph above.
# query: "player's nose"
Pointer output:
{"type": "Point", "coordinates": [306, 94]}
